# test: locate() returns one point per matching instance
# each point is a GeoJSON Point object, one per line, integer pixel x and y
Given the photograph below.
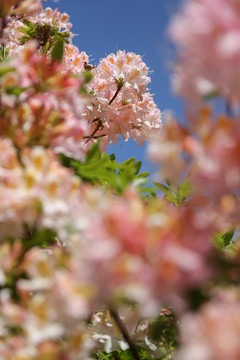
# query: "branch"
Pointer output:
{"type": "Point", "coordinates": [114, 96]}
{"type": "Point", "coordinates": [119, 82]}
{"type": "Point", "coordinates": [125, 333]}
{"type": "Point", "coordinates": [98, 127]}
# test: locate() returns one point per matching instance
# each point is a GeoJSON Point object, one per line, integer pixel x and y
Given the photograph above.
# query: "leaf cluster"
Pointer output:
{"type": "Point", "coordinates": [42, 237]}
{"type": "Point", "coordinates": [103, 169]}
{"type": "Point", "coordinates": [224, 239]}
{"type": "Point", "coordinates": [164, 331]}
{"type": "Point", "coordinates": [46, 35]}
{"type": "Point", "coordinates": [123, 355]}
{"type": "Point", "coordinates": [176, 196]}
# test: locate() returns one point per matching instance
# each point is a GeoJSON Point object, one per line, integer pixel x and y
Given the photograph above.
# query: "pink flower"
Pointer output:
{"type": "Point", "coordinates": [213, 332]}
{"type": "Point", "coordinates": [147, 256]}
{"type": "Point", "coordinates": [216, 156]}
{"type": "Point", "coordinates": [75, 60]}
{"type": "Point", "coordinates": [167, 150]}
{"type": "Point", "coordinates": [206, 34]}
{"type": "Point", "coordinates": [49, 109]}
{"type": "Point", "coordinates": [34, 13]}
{"type": "Point", "coordinates": [37, 190]}
{"type": "Point", "coordinates": [28, 7]}
{"type": "Point", "coordinates": [121, 104]}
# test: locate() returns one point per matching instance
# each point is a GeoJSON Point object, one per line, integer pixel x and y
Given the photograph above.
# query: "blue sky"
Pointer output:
{"type": "Point", "coordinates": [104, 26]}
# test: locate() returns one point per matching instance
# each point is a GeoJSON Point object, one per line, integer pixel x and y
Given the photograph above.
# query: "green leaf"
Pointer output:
{"type": "Point", "coordinates": [14, 90]}
{"type": "Point", "coordinates": [23, 39]}
{"type": "Point", "coordinates": [4, 69]}
{"type": "Point", "coordinates": [227, 237]}
{"type": "Point", "coordinates": [87, 76]}
{"type": "Point", "coordinates": [58, 50]}
{"type": "Point", "coordinates": [47, 46]}
{"type": "Point", "coordinates": [224, 239]}
{"type": "Point", "coordinates": [4, 52]}
{"type": "Point", "coordinates": [143, 174]}
{"type": "Point", "coordinates": [184, 191]}
{"type": "Point", "coordinates": [24, 30]}
{"type": "Point", "coordinates": [102, 169]}
{"type": "Point", "coordinates": [123, 355]}
{"type": "Point", "coordinates": [40, 237]}
{"type": "Point", "coordinates": [83, 91]}
{"type": "Point", "coordinates": [112, 157]}
{"type": "Point", "coordinates": [94, 152]}
{"type": "Point", "coordinates": [137, 167]}
{"type": "Point", "coordinates": [161, 187]}
{"type": "Point", "coordinates": [7, 51]}
{"type": "Point", "coordinates": [126, 163]}
{"type": "Point", "coordinates": [177, 197]}
{"type": "Point", "coordinates": [26, 22]}
{"type": "Point", "coordinates": [169, 195]}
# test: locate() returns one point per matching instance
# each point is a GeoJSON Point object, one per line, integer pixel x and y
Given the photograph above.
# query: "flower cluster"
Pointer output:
{"type": "Point", "coordinates": [35, 191]}
{"type": "Point", "coordinates": [201, 334]}
{"type": "Point", "coordinates": [121, 104]}
{"type": "Point", "coordinates": [31, 329]}
{"type": "Point", "coordinates": [206, 34]}
{"type": "Point", "coordinates": [32, 103]}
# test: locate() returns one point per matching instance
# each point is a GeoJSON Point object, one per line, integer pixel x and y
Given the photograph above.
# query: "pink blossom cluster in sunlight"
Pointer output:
{"type": "Point", "coordinates": [206, 34]}
{"type": "Point", "coordinates": [121, 104]}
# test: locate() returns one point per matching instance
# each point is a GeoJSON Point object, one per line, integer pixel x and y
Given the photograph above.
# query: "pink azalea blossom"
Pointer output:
{"type": "Point", "coordinates": [37, 190]}
{"type": "Point", "coordinates": [75, 60]}
{"type": "Point", "coordinates": [44, 117]}
{"type": "Point", "coordinates": [213, 332]}
{"type": "Point", "coordinates": [206, 34]}
{"type": "Point", "coordinates": [121, 104]}
{"type": "Point", "coordinates": [148, 257]}
{"type": "Point", "coordinates": [28, 7]}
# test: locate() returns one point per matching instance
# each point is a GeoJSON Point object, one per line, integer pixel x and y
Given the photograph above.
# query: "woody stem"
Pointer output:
{"type": "Point", "coordinates": [125, 333]}
{"type": "Point", "coordinates": [114, 96]}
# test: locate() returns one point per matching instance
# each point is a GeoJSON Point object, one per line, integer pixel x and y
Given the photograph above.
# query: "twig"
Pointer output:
{"type": "Point", "coordinates": [98, 127]}
{"type": "Point", "coordinates": [125, 333]}
{"type": "Point", "coordinates": [114, 96]}
{"type": "Point", "coordinates": [119, 83]}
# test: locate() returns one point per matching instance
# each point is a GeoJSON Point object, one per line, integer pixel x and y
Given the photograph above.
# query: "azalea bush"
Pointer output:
{"type": "Point", "coordinates": [96, 261]}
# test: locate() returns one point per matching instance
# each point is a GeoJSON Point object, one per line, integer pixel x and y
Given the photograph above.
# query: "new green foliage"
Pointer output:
{"type": "Point", "coordinates": [103, 169]}
{"type": "Point", "coordinates": [48, 37]}
{"type": "Point", "coordinates": [178, 195]}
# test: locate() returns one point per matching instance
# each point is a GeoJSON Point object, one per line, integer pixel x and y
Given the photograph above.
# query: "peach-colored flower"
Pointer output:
{"type": "Point", "coordinates": [213, 332]}
{"type": "Point", "coordinates": [206, 35]}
